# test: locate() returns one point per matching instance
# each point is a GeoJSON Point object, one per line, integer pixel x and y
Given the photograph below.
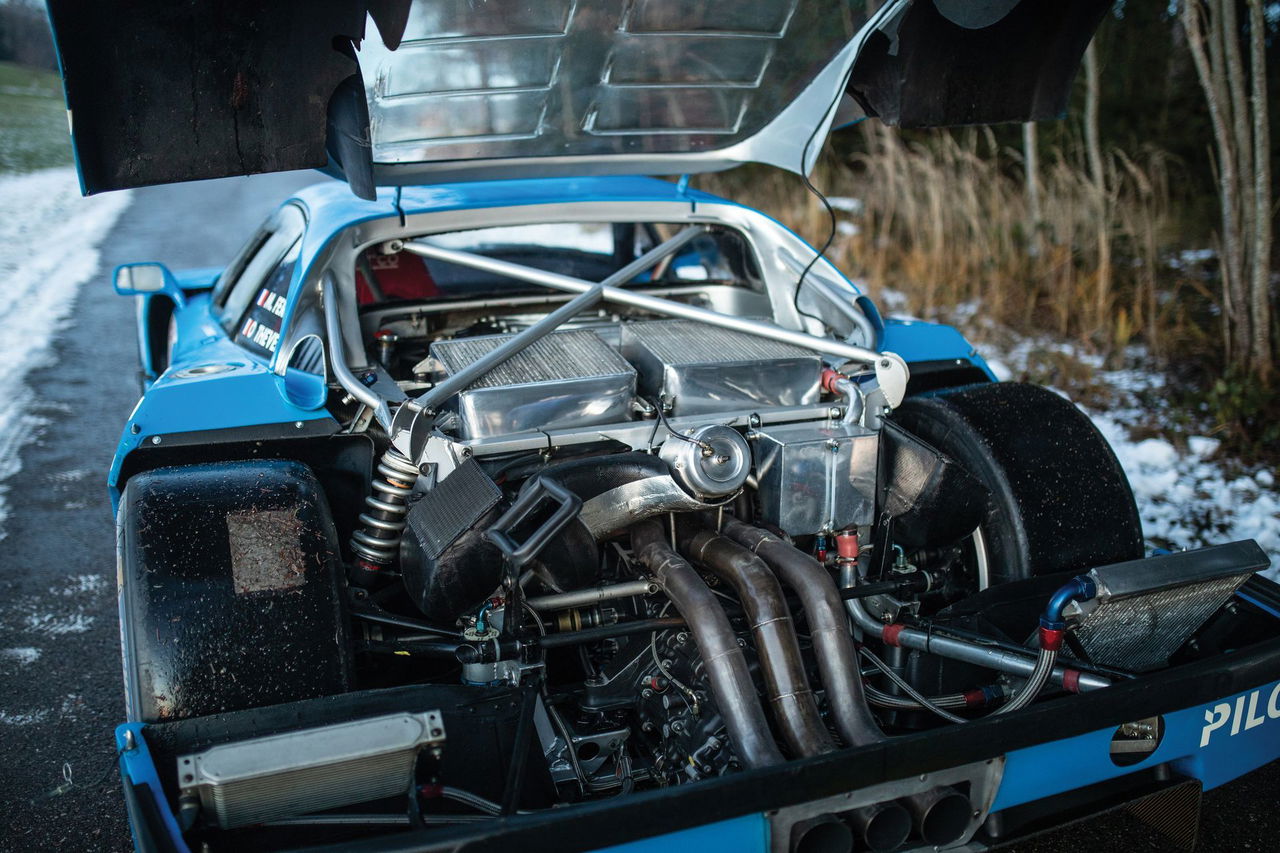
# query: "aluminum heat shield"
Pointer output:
{"type": "Point", "coordinates": [570, 378]}
{"type": "Point", "coordinates": [1146, 609]}
{"type": "Point", "coordinates": [267, 778]}
{"type": "Point", "coordinates": [703, 369]}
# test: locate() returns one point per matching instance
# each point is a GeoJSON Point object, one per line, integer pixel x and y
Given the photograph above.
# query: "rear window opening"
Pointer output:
{"type": "Point", "coordinates": [589, 251]}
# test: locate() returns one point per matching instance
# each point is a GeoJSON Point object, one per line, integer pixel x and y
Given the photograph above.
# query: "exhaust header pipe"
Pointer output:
{"type": "Point", "coordinates": [828, 628]}
{"type": "Point", "coordinates": [727, 671]}
{"type": "Point", "coordinates": [794, 707]}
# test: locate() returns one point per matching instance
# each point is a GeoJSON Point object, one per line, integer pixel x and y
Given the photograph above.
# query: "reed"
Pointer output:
{"type": "Point", "coordinates": [944, 221]}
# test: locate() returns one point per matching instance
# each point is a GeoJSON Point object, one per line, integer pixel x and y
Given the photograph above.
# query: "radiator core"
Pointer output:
{"type": "Point", "coordinates": [283, 775]}
{"type": "Point", "coordinates": [569, 378]}
{"type": "Point", "coordinates": [1146, 609]}
{"type": "Point", "coordinates": [702, 369]}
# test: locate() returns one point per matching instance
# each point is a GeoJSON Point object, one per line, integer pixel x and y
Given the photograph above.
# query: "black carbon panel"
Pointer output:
{"type": "Point", "coordinates": [452, 507]}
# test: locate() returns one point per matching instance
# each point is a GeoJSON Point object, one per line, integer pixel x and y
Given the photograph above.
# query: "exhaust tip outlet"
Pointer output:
{"type": "Point", "coordinates": [941, 816]}
{"type": "Point", "coordinates": [822, 834]}
{"type": "Point", "coordinates": [882, 826]}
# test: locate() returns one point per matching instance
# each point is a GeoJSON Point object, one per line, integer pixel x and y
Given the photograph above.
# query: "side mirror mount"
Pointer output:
{"type": "Point", "coordinates": [147, 278]}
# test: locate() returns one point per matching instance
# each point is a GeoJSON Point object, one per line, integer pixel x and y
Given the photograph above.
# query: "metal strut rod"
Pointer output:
{"type": "Point", "coordinates": [654, 304]}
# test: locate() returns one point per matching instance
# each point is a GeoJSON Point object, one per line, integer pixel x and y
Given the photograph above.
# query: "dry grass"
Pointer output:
{"type": "Point", "coordinates": [944, 221]}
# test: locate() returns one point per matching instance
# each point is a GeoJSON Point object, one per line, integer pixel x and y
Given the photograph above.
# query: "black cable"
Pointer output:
{"type": "Point", "coordinates": [831, 214]}
{"type": "Point", "coordinates": [662, 419]}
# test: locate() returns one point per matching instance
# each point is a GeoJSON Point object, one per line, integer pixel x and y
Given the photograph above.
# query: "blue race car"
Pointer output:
{"type": "Point", "coordinates": [503, 498]}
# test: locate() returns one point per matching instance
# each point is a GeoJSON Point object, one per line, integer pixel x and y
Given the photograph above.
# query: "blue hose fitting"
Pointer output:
{"type": "Point", "coordinates": [1079, 588]}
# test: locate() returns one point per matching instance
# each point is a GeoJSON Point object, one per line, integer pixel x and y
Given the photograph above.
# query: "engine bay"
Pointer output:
{"type": "Point", "coordinates": [628, 549]}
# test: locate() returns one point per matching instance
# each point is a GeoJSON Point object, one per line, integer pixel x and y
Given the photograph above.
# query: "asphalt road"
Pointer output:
{"type": "Point", "coordinates": [57, 579]}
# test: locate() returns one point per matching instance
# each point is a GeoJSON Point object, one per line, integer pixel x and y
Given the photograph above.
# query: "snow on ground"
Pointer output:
{"type": "Point", "coordinates": [49, 239]}
{"type": "Point", "coordinates": [1186, 495]}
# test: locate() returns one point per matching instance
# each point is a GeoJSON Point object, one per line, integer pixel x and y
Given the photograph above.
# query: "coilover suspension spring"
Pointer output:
{"type": "Point", "coordinates": [378, 542]}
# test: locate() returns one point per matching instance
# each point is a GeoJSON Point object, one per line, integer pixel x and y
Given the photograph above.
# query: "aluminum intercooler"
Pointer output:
{"type": "Point", "coordinates": [1145, 610]}
{"type": "Point", "coordinates": [702, 369]}
{"type": "Point", "coordinates": [282, 775]}
{"type": "Point", "coordinates": [570, 378]}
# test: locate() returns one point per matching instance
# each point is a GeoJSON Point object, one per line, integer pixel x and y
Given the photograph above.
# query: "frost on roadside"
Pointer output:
{"type": "Point", "coordinates": [49, 246]}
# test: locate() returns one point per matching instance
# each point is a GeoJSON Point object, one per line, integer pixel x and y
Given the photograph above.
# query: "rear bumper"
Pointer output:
{"type": "Point", "coordinates": [1221, 720]}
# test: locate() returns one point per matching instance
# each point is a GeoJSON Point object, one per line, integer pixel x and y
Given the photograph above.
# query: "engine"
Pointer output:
{"type": "Point", "coordinates": [701, 550]}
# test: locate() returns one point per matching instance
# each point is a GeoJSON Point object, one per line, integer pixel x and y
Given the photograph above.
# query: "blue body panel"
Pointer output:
{"type": "Point", "coordinates": [1085, 760]}
{"type": "Point", "coordinates": [916, 340]}
{"type": "Point", "coordinates": [137, 768]}
{"type": "Point", "coordinates": [246, 394]}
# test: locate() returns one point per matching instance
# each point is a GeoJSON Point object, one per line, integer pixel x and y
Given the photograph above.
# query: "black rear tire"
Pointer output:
{"type": "Point", "coordinates": [1059, 500]}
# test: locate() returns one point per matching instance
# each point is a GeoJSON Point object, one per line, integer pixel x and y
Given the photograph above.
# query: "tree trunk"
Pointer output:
{"type": "Point", "coordinates": [1207, 53]}
{"type": "Point", "coordinates": [1097, 174]}
{"type": "Point", "coordinates": [1031, 164]}
{"type": "Point", "coordinates": [1260, 273]}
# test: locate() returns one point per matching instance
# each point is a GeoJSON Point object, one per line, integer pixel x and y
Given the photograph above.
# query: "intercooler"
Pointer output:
{"type": "Point", "coordinates": [1144, 610]}
{"type": "Point", "coordinates": [282, 775]}
{"type": "Point", "coordinates": [702, 369]}
{"type": "Point", "coordinates": [566, 379]}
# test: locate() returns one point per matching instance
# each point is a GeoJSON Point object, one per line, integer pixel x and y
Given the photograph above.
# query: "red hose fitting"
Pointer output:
{"type": "Point", "coordinates": [829, 379]}
{"type": "Point", "coordinates": [890, 634]}
{"type": "Point", "coordinates": [975, 698]}
{"type": "Point", "coordinates": [1050, 639]}
{"type": "Point", "coordinates": [847, 545]}
{"type": "Point", "coordinates": [1071, 680]}
{"type": "Point", "coordinates": [431, 792]}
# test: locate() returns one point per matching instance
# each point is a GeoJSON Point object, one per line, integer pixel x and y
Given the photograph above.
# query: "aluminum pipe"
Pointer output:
{"type": "Point", "coordinates": [654, 304]}
{"type": "Point", "coordinates": [990, 657]}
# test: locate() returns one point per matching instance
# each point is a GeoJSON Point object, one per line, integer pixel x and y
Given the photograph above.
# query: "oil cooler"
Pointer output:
{"type": "Point", "coordinates": [282, 775]}
{"type": "Point", "coordinates": [1144, 610]}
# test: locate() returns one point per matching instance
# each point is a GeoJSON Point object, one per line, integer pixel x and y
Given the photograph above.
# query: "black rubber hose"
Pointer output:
{"type": "Point", "coordinates": [794, 706]}
{"type": "Point", "coordinates": [726, 667]}
{"type": "Point", "coordinates": [604, 632]}
{"type": "Point", "coordinates": [828, 628]}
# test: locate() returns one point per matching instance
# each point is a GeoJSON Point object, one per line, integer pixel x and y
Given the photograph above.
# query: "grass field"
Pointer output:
{"type": "Point", "coordinates": [33, 120]}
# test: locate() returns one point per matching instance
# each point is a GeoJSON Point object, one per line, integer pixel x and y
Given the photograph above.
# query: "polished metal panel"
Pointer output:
{"type": "Point", "coordinates": [569, 378]}
{"type": "Point", "coordinates": [711, 461]}
{"type": "Point", "coordinates": [266, 778]}
{"type": "Point", "coordinates": [609, 81]}
{"type": "Point", "coordinates": [702, 369]}
{"type": "Point", "coordinates": [815, 479]}
{"type": "Point", "coordinates": [637, 434]}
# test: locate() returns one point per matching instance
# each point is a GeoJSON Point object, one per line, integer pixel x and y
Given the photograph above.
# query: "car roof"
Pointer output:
{"type": "Point", "coordinates": [331, 207]}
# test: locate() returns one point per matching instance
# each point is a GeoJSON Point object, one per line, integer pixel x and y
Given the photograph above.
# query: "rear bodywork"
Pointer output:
{"type": "Point", "coordinates": [438, 92]}
{"type": "Point", "coordinates": [1022, 773]}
